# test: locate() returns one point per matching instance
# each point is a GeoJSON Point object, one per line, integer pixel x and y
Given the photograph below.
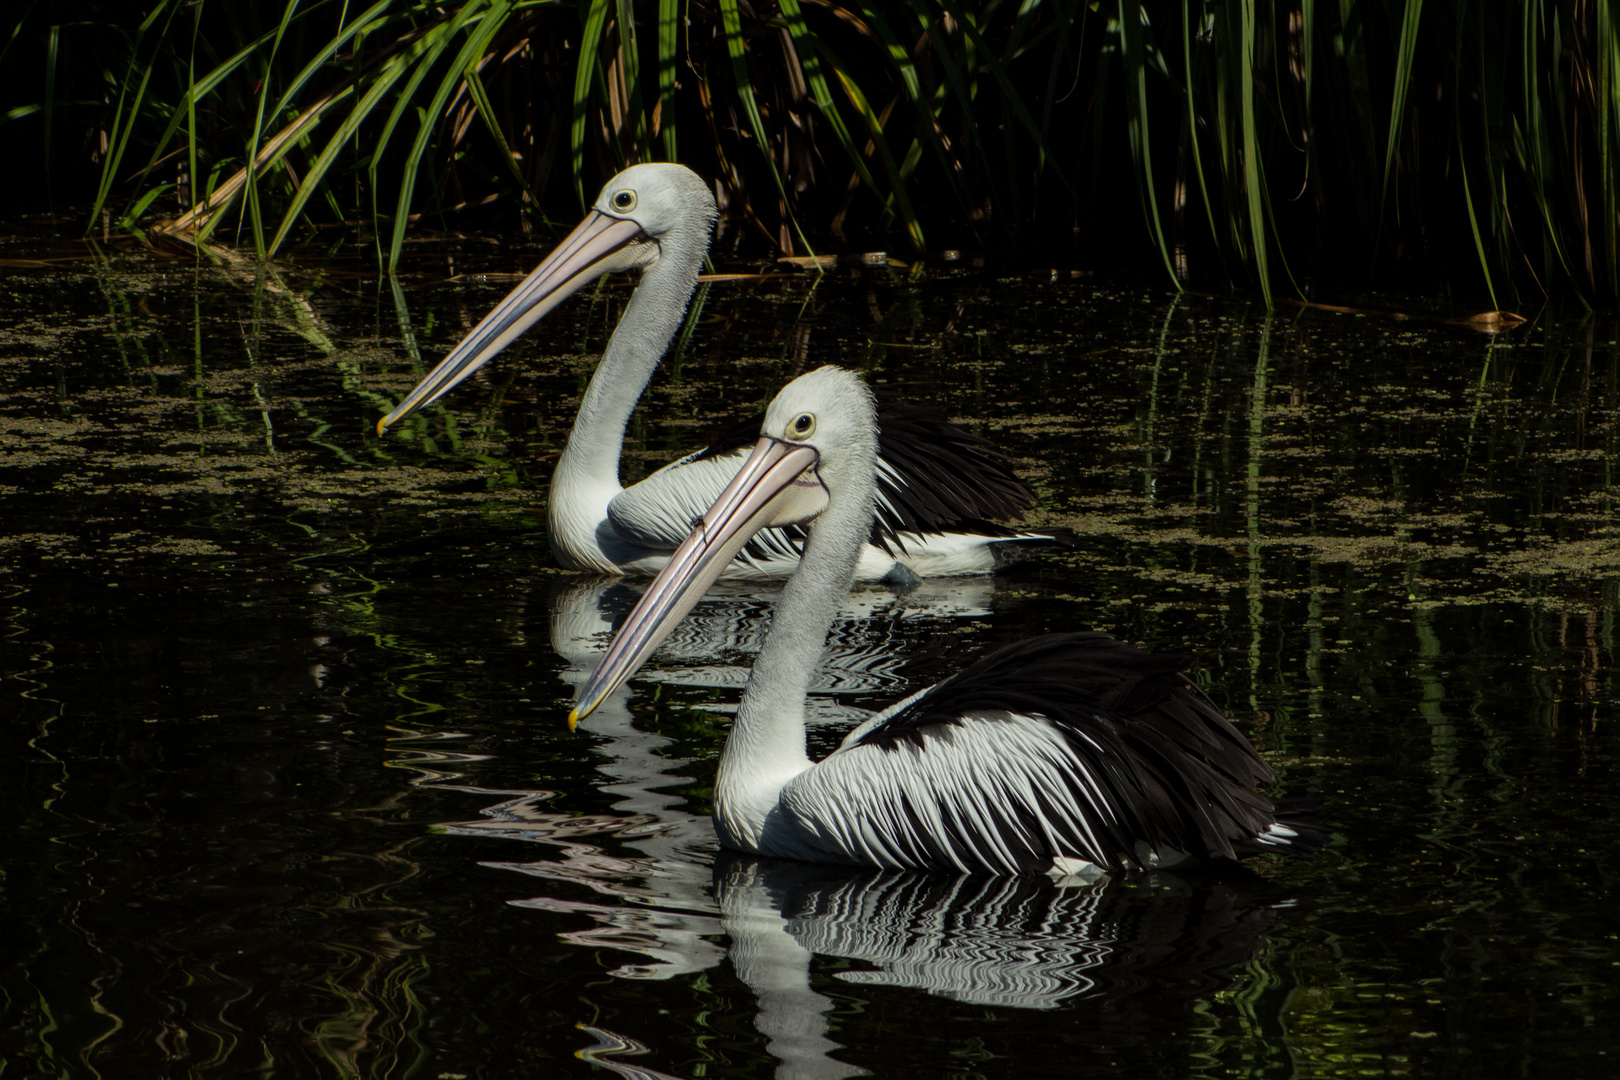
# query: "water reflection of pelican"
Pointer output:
{"type": "Point", "coordinates": [1131, 963]}
{"type": "Point", "coordinates": [942, 486]}
{"type": "Point", "coordinates": [1015, 942]}
{"type": "Point", "coordinates": [1134, 958]}
{"type": "Point", "coordinates": [714, 646]}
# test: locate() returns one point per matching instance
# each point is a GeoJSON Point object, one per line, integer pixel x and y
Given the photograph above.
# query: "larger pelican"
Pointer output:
{"type": "Point", "coordinates": [1069, 753]}
{"type": "Point", "coordinates": [940, 487]}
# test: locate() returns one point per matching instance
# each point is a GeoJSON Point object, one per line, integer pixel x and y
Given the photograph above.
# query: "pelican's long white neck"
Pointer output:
{"type": "Point", "coordinates": [766, 746]}
{"type": "Point", "coordinates": [587, 474]}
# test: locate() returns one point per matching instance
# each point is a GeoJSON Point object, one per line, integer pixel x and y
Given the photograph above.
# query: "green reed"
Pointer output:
{"type": "Point", "coordinates": [1257, 143]}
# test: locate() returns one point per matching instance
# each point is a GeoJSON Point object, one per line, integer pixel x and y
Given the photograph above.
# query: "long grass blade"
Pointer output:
{"type": "Point", "coordinates": [1534, 142]}
{"type": "Point", "coordinates": [1010, 94]}
{"type": "Point", "coordinates": [492, 123]}
{"type": "Point", "coordinates": [52, 43]}
{"type": "Point", "coordinates": [17, 29]}
{"type": "Point", "coordinates": [200, 221]}
{"type": "Point", "coordinates": [1403, 79]}
{"type": "Point", "coordinates": [488, 23]}
{"type": "Point", "coordinates": [125, 119]}
{"type": "Point", "coordinates": [1194, 135]}
{"type": "Point", "coordinates": [1133, 56]}
{"type": "Point", "coordinates": [1473, 225]}
{"type": "Point", "coordinates": [1068, 15]}
{"type": "Point", "coordinates": [630, 72]}
{"type": "Point", "coordinates": [927, 116]}
{"type": "Point", "coordinates": [255, 214]}
{"type": "Point", "coordinates": [190, 106]}
{"type": "Point", "coordinates": [1307, 23]}
{"type": "Point", "coordinates": [1353, 70]}
{"type": "Point", "coordinates": [380, 87]}
{"type": "Point", "coordinates": [1606, 45]}
{"type": "Point", "coordinates": [432, 48]}
{"type": "Point", "coordinates": [133, 214]}
{"type": "Point", "coordinates": [811, 50]}
{"type": "Point", "coordinates": [198, 89]}
{"type": "Point", "coordinates": [585, 74]}
{"type": "Point", "coordinates": [669, 13]}
{"type": "Point", "coordinates": [939, 41]}
{"type": "Point", "coordinates": [1253, 185]}
{"type": "Point", "coordinates": [737, 51]}
{"type": "Point", "coordinates": [874, 132]}
{"type": "Point", "coordinates": [369, 21]}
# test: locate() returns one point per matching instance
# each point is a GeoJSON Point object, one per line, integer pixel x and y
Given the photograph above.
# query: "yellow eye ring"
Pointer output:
{"type": "Point", "coordinates": [624, 201]}
{"type": "Point", "coordinates": [803, 426]}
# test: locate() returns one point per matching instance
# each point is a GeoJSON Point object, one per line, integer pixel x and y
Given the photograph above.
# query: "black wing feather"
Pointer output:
{"type": "Point", "coordinates": [1173, 770]}
{"type": "Point", "coordinates": [944, 478]}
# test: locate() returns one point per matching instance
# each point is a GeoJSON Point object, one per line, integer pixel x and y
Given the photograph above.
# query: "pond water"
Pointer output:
{"type": "Point", "coordinates": [287, 787]}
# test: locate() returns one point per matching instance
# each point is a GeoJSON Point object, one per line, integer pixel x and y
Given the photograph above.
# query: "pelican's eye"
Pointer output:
{"type": "Point", "coordinates": [802, 426]}
{"type": "Point", "coordinates": [624, 201]}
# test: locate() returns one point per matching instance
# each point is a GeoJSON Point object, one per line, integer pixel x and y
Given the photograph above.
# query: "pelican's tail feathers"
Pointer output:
{"type": "Point", "coordinates": [1296, 831]}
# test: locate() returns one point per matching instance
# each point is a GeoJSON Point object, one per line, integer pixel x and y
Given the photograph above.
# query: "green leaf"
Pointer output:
{"type": "Point", "coordinates": [1010, 93]}
{"type": "Point", "coordinates": [630, 64]}
{"type": "Point", "coordinates": [737, 50]}
{"type": "Point", "coordinates": [380, 87]}
{"type": "Point", "coordinates": [486, 110]}
{"type": "Point", "coordinates": [126, 118]}
{"type": "Point", "coordinates": [1133, 57]}
{"type": "Point", "coordinates": [874, 131]}
{"type": "Point", "coordinates": [252, 187]}
{"type": "Point", "coordinates": [1253, 183]}
{"type": "Point", "coordinates": [811, 49]}
{"type": "Point", "coordinates": [928, 119]}
{"type": "Point", "coordinates": [669, 12]}
{"type": "Point", "coordinates": [584, 75]}
{"type": "Point", "coordinates": [1403, 79]}
{"type": "Point", "coordinates": [134, 213]}
{"type": "Point", "coordinates": [489, 23]}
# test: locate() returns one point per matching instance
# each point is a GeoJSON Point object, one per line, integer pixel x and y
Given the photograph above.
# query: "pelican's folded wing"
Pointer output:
{"type": "Point", "coordinates": [1071, 745]}
{"type": "Point", "coordinates": [934, 476]}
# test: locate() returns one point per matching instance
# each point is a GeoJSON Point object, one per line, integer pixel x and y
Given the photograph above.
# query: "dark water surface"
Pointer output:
{"type": "Point", "coordinates": [287, 791]}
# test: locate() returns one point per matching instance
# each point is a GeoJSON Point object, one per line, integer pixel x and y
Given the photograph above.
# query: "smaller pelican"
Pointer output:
{"type": "Point", "coordinates": [1069, 753]}
{"type": "Point", "coordinates": [941, 488]}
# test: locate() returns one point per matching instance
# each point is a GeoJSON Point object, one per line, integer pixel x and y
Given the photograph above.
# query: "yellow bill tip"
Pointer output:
{"type": "Point", "coordinates": [382, 426]}
{"type": "Point", "coordinates": [573, 719]}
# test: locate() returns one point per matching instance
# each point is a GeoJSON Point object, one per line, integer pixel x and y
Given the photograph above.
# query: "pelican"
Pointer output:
{"type": "Point", "coordinates": [1070, 754]}
{"type": "Point", "coordinates": [940, 487]}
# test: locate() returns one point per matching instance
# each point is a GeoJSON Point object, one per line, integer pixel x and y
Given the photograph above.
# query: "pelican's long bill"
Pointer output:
{"type": "Point", "coordinates": [766, 491]}
{"type": "Point", "coordinates": [598, 245]}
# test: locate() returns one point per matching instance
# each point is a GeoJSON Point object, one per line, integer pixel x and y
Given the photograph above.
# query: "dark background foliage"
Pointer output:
{"type": "Point", "coordinates": [1256, 144]}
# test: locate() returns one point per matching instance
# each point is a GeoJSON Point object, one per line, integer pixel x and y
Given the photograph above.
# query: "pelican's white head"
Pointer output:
{"type": "Point", "coordinates": [664, 199]}
{"type": "Point", "coordinates": [832, 412]}
{"type": "Point", "coordinates": [654, 218]}
{"type": "Point", "coordinates": [815, 464]}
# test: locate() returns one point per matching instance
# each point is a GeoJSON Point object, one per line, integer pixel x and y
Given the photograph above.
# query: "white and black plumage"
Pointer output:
{"type": "Point", "coordinates": [1065, 752]}
{"type": "Point", "coordinates": [941, 488]}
